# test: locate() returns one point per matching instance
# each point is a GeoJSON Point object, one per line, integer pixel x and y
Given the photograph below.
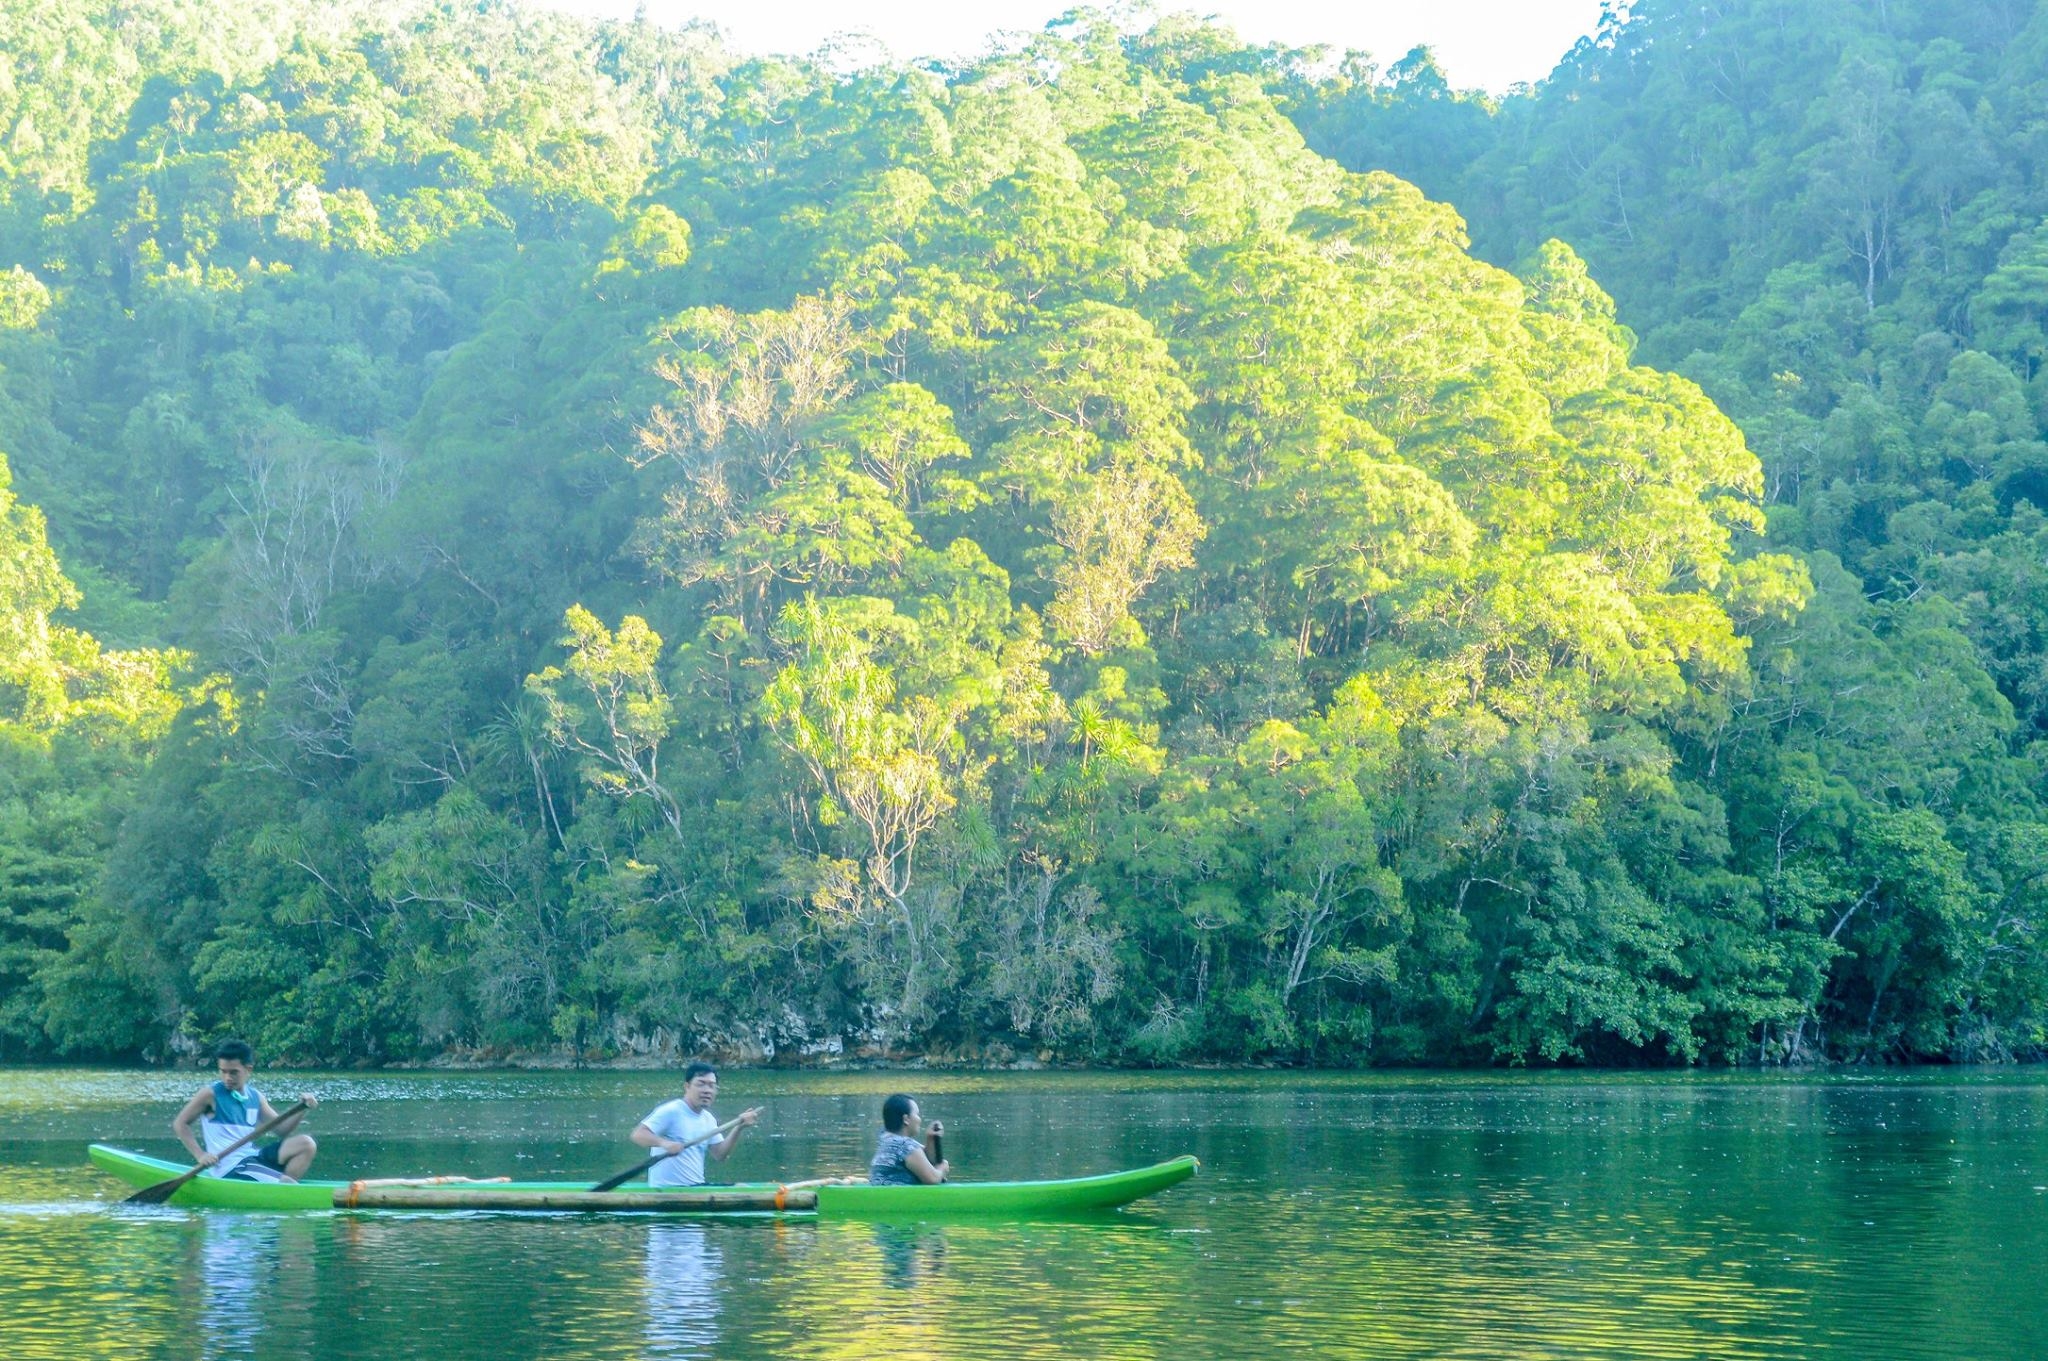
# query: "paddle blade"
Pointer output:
{"type": "Point", "coordinates": [159, 1193]}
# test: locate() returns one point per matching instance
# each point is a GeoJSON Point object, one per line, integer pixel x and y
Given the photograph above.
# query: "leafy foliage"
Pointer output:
{"type": "Point", "coordinates": [679, 553]}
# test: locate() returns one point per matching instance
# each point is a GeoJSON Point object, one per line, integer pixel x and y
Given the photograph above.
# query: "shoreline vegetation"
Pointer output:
{"type": "Point", "coordinates": [526, 535]}
{"type": "Point", "coordinates": [928, 1063]}
{"type": "Point", "coordinates": [968, 1065]}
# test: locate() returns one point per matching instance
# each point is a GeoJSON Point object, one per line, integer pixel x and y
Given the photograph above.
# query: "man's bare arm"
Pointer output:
{"type": "Point", "coordinates": [723, 1148]}
{"type": "Point", "coordinates": [647, 1138]}
{"type": "Point", "coordinates": [181, 1125]}
{"type": "Point", "coordinates": [266, 1114]}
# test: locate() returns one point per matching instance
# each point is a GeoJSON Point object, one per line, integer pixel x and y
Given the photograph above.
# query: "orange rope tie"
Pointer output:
{"type": "Point", "coordinates": [781, 1194]}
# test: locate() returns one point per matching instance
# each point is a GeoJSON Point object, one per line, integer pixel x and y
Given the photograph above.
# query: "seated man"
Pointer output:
{"type": "Point", "coordinates": [900, 1160]}
{"type": "Point", "coordinates": [683, 1127]}
{"type": "Point", "coordinates": [229, 1109]}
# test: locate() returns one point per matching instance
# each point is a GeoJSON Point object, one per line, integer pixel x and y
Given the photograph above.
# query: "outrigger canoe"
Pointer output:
{"type": "Point", "coordinates": [964, 1199]}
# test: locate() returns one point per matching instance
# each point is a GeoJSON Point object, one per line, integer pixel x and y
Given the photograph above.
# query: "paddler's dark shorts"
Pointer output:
{"type": "Point", "coordinates": [262, 1166]}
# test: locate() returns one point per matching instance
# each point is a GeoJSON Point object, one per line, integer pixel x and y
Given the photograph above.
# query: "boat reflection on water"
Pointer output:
{"type": "Point", "coordinates": [684, 1268]}
{"type": "Point", "coordinates": [238, 1273]}
{"type": "Point", "coordinates": [910, 1253]}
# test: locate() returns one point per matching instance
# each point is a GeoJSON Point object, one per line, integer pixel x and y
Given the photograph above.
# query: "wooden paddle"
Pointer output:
{"type": "Point", "coordinates": [164, 1190]}
{"type": "Point", "coordinates": [613, 1183]}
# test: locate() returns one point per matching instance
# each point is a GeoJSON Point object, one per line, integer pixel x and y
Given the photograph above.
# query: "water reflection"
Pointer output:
{"type": "Point", "coordinates": [238, 1265]}
{"type": "Point", "coordinates": [910, 1253]}
{"type": "Point", "coordinates": [685, 1268]}
{"type": "Point", "coordinates": [254, 1278]}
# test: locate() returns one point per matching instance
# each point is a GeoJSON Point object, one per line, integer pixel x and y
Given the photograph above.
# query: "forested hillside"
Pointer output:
{"type": "Point", "coordinates": [1834, 217]}
{"type": "Point", "coordinates": [588, 543]}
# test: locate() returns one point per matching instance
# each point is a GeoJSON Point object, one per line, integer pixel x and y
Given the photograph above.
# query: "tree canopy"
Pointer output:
{"type": "Point", "coordinates": [586, 542]}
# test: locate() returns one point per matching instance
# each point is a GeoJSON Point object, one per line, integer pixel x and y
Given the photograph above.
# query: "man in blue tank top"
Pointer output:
{"type": "Point", "coordinates": [227, 1110]}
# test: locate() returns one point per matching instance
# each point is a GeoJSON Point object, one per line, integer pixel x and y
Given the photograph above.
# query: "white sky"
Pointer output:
{"type": "Point", "coordinates": [1487, 44]}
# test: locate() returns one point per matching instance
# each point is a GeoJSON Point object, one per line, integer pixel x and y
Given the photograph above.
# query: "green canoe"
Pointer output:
{"type": "Point", "coordinates": [967, 1199]}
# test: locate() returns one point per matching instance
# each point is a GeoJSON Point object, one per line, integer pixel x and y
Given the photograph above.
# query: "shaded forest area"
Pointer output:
{"type": "Point", "coordinates": [537, 537]}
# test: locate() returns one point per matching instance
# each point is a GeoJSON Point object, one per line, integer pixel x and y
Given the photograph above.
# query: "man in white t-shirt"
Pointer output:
{"type": "Point", "coordinates": [675, 1124]}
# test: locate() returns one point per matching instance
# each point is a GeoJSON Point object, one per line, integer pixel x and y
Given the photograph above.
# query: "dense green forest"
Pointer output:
{"type": "Point", "coordinates": [532, 537]}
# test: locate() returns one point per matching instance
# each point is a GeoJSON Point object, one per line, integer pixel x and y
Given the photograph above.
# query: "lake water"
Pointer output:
{"type": "Point", "coordinates": [1895, 1215]}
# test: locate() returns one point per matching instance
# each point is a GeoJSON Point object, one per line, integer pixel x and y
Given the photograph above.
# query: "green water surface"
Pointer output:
{"type": "Point", "coordinates": [1897, 1215]}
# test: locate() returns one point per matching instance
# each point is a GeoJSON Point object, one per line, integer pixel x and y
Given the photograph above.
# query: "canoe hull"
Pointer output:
{"type": "Point", "coordinates": [990, 1199]}
{"type": "Point", "coordinates": [1003, 1199]}
{"type": "Point", "coordinates": [139, 1171]}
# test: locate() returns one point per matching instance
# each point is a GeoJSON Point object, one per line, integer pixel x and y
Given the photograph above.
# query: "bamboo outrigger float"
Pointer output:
{"type": "Point", "coordinates": [738, 1199]}
{"type": "Point", "coordinates": [826, 1199]}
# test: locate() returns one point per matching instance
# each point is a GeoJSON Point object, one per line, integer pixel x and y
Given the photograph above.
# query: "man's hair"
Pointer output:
{"type": "Point", "coordinates": [895, 1110]}
{"type": "Point", "coordinates": [236, 1050]}
{"type": "Point", "coordinates": [697, 1070]}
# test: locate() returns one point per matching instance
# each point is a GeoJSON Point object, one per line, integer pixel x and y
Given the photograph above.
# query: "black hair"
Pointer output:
{"type": "Point", "coordinates": [236, 1050]}
{"type": "Point", "coordinates": [895, 1111]}
{"type": "Point", "coordinates": [697, 1070]}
